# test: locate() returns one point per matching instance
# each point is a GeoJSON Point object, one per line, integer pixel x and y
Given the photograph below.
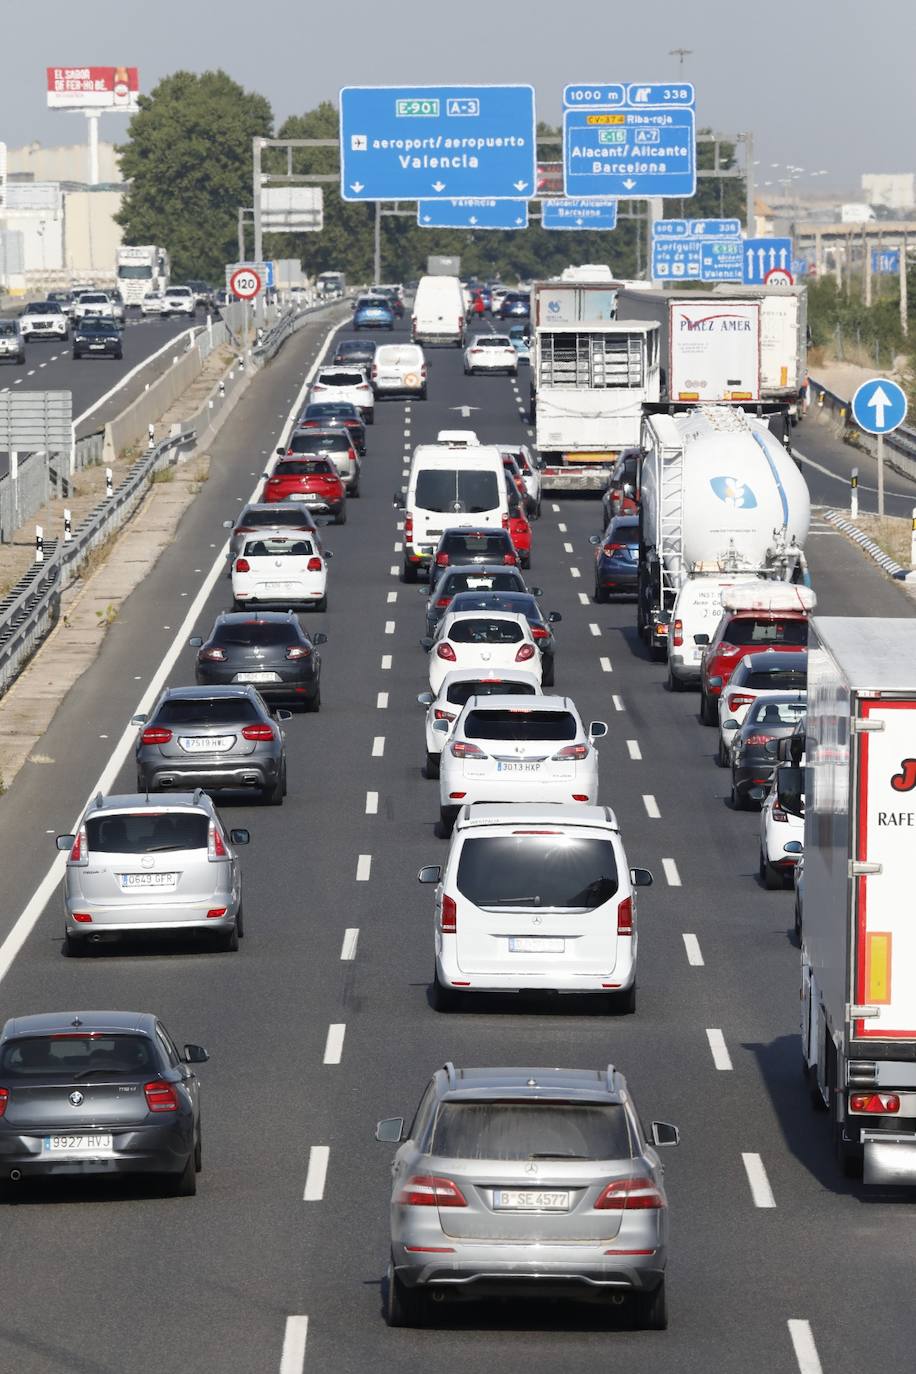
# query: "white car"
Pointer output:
{"type": "Point", "coordinates": [491, 353]}
{"type": "Point", "coordinates": [518, 750]}
{"type": "Point", "coordinates": [782, 826]}
{"type": "Point", "coordinates": [281, 568]}
{"type": "Point", "coordinates": [445, 708]}
{"type": "Point", "coordinates": [345, 384]}
{"type": "Point", "coordinates": [536, 897]}
{"type": "Point", "coordinates": [44, 320]}
{"type": "Point", "coordinates": [497, 295]}
{"type": "Point", "coordinates": [458, 438]}
{"type": "Point", "coordinates": [153, 303]}
{"type": "Point", "coordinates": [490, 641]}
{"type": "Point", "coordinates": [756, 675]}
{"type": "Point", "coordinates": [399, 369]}
{"type": "Point", "coordinates": [531, 474]}
{"type": "Point", "coordinates": [179, 300]}
{"type": "Point", "coordinates": [93, 303]}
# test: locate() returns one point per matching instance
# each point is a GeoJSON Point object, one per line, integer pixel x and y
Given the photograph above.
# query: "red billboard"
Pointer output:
{"type": "Point", "coordinates": [93, 88]}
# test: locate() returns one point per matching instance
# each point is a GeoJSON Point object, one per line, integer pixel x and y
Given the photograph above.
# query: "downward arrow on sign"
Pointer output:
{"type": "Point", "coordinates": [357, 186]}
{"type": "Point", "coordinates": [629, 183]}
{"type": "Point", "coordinates": [438, 185]}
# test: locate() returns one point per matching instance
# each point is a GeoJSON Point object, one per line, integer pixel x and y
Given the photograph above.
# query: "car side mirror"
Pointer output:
{"type": "Point", "coordinates": [140, 719]}
{"type": "Point", "coordinates": [398, 500]}
{"type": "Point", "coordinates": [597, 729]}
{"type": "Point", "coordinates": [195, 641]}
{"type": "Point", "coordinates": [227, 524]}
{"type": "Point", "coordinates": [730, 725]}
{"type": "Point", "coordinates": [432, 873]}
{"type": "Point", "coordinates": [424, 591]}
{"type": "Point", "coordinates": [240, 836]}
{"type": "Point", "coordinates": [664, 1134]}
{"type": "Point", "coordinates": [641, 877]}
{"type": "Point", "coordinates": [757, 793]}
{"type": "Point", "coordinates": [426, 644]}
{"type": "Point", "coordinates": [282, 714]}
{"type": "Point", "coordinates": [700, 640]}
{"type": "Point", "coordinates": [441, 727]}
{"type": "Point", "coordinates": [65, 842]}
{"type": "Point", "coordinates": [554, 618]}
{"type": "Point", "coordinates": [715, 682]}
{"type": "Point", "coordinates": [327, 553]}
{"type": "Point", "coordinates": [281, 450]}
{"type": "Point", "coordinates": [595, 538]}
{"type": "Point", "coordinates": [194, 1054]}
{"type": "Point", "coordinates": [426, 699]}
{"type": "Point", "coordinates": [319, 638]}
{"type": "Point", "coordinates": [794, 847]}
{"type": "Point", "coordinates": [536, 591]}
{"type": "Point", "coordinates": [391, 1131]}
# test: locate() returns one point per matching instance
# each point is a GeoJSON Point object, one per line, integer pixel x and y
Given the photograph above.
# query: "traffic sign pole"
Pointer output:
{"type": "Point", "coordinates": [854, 494]}
{"type": "Point", "coordinates": [880, 476]}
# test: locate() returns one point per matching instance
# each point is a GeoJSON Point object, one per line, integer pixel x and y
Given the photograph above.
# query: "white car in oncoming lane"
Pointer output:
{"type": "Point", "coordinates": [445, 708]}
{"type": "Point", "coordinates": [487, 641]}
{"type": "Point", "coordinates": [44, 320]}
{"type": "Point", "coordinates": [153, 303]}
{"type": "Point", "coordinates": [179, 300]}
{"type": "Point", "coordinates": [491, 353]}
{"type": "Point", "coordinates": [281, 568]}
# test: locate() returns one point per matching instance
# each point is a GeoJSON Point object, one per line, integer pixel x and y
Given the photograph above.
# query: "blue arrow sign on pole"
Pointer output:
{"type": "Point", "coordinates": [885, 261]}
{"type": "Point", "coordinates": [631, 153]}
{"type": "Point", "coordinates": [689, 259]}
{"type": "Point", "coordinates": [879, 406]}
{"type": "Point", "coordinates": [762, 256]}
{"type": "Point", "coordinates": [426, 142]}
{"type": "Point", "coordinates": [472, 214]}
{"type": "Point", "coordinates": [579, 214]}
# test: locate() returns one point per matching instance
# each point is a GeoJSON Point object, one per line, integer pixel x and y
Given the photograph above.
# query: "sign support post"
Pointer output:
{"type": "Point", "coordinates": [377, 241]}
{"type": "Point", "coordinates": [880, 476]}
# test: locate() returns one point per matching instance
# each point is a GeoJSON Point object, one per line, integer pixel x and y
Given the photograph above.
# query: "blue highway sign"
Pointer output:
{"type": "Point", "coordinates": [879, 406]}
{"type": "Point", "coordinates": [426, 142]}
{"type": "Point", "coordinates": [885, 262]}
{"type": "Point", "coordinates": [598, 95]}
{"type": "Point", "coordinates": [472, 214]}
{"type": "Point", "coordinates": [579, 214]}
{"type": "Point", "coordinates": [689, 259]}
{"type": "Point", "coordinates": [629, 153]}
{"type": "Point", "coordinates": [763, 256]}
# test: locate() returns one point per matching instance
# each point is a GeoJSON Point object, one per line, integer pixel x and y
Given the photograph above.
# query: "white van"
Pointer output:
{"type": "Point", "coordinates": [399, 369]}
{"type": "Point", "coordinates": [697, 610]}
{"type": "Point", "coordinates": [438, 312]}
{"type": "Point", "coordinates": [448, 489]}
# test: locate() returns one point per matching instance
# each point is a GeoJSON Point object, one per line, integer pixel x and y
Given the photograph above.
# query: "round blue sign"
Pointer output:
{"type": "Point", "coordinates": [879, 406]}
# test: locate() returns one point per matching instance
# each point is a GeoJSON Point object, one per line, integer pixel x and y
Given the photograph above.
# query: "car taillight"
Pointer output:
{"type": "Point", "coordinates": [298, 651]}
{"type": "Point", "coordinates": [79, 849]}
{"type": "Point", "coordinates": [242, 564]}
{"type": "Point", "coordinates": [314, 565]}
{"type": "Point", "coordinates": [216, 849]}
{"type": "Point", "coordinates": [876, 1104]}
{"type": "Point", "coordinates": [613, 548]}
{"type": "Point", "coordinates": [505, 522]}
{"type": "Point", "coordinates": [448, 916]}
{"type": "Point", "coordinates": [524, 653]}
{"type": "Point", "coordinates": [160, 1096]}
{"type": "Point", "coordinates": [677, 638]}
{"type": "Point", "coordinates": [756, 740]}
{"type": "Point", "coordinates": [258, 732]}
{"type": "Point", "coordinates": [156, 734]}
{"type": "Point", "coordinates": [212, 655]}
{"type": "Point", "coordinates": [736, 699]}
{"type": "Point", "coordinates": [573, 751]}
{"type": "Point", "coordinates": [475, 350]}
{"type": "Point", "coordinates": [625, 917]}
{"type": "Point", "coordinates": [441, 560]}
{"type": "Point", "coordinates": [4, 1098]}
{"type": "Point", "coordinates": [461, 749]}
{"type": "Point", "coordinates": [427, 1190]}
{"type": "Point", "coordinates": [510, 558]}
{"type": "Point", "coordinates": [274, 481]}
{"type": "Point", "coordinates": [374, 373]}
{"type": "Point", "coordinates": [443, 601]}
{"type": "Point", "coordinates": [408, 526]}
{"type": "Point", "coordinates": [728, 649]}
{"type": "Point", "coordinates": [439, 714]}
{"type": "Point", "coordinates": [446, 651]}
{"type": "Point", "coordinates": [540, 631]}
{"type": "Point", "coordinates": [778, 814]}
{"type": "Point", "coordinates": [629, 1195]}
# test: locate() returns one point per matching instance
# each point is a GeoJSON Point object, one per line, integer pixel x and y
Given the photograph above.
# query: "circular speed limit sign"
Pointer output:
{"type": "Point", "coordinates": [778, 276]}
{"type": "Point", "coordinates": [245, 283]}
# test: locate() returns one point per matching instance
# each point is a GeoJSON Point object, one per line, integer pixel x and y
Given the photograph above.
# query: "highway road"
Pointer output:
{"type": "Point", "coordinates": [773, 1255]}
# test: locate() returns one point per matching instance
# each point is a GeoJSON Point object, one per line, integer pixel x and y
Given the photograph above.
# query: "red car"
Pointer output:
{"type": "Point", "coordinates": [514, 473]}
{"type": "Point", "coordinates": [313, 481]}
{"type": "Point", "coordinates": [520, 532]}
{"type": "Point", "coordinates": [772, 616]}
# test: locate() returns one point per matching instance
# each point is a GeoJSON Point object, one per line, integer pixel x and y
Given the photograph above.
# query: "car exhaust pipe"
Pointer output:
{"type": "Point", "coordinates": [15, 1175]}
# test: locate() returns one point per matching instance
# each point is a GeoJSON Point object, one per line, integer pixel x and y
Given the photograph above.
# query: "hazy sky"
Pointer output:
{"type": "Point", "coordinates": [826, 85]}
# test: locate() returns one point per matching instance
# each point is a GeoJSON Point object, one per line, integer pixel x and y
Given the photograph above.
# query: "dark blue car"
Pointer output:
{"type": "Point", "coordinates": [515, 306]}
{"type": "Point", "coordinates": [373, 312]}
{"type": "Point", "coordinates": [617, 558]}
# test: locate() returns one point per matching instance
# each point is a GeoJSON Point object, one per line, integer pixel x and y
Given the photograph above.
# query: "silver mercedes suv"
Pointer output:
{"type": "Point", "coordinates": [137, 866]}
{"type": "Point", "coordinates": [527, 1181]}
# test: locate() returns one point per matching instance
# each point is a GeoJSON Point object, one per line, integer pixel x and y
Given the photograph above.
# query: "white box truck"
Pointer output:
{"type": "Point", "coordinates": [141, 268]}
{"type": "Point", "coordinates": [858, 935]}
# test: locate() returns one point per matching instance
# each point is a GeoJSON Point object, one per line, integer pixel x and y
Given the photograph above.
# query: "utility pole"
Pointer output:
{"type": "Point", "coordinates": [680, 54]}
{"type": "Point", "coordinates": [750, 213]}
{"type": "Point", "coordinates": [257, 145]}
{"type": "Point", "coordinates": [866, 252]}
{"type": "Point", "coordinates": [377, 255]}
{"type": "Point", "coordinates": [903, 300]}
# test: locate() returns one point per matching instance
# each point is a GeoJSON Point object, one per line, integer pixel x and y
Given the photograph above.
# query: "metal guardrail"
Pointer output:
{"type": "Point", "coordinates": [902, 442]}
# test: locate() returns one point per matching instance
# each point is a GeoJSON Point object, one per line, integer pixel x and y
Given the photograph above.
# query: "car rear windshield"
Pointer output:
{"type": "Point", "coordinates": [251, 634]}
{"type": "Point", "coordinates": [461, 692]}
{"type": "Point", "coordinates": [338, 442]}
{"type": "Point", "coordinates": [531, 1130]}
{"type": "Point", "coordinates": [73, 1055]}
{"type": "Point", "coordinates": [484, 631]}
{"type": "Point", "coordinates": [517, 603]}
{"type": "Point", "coordinates": [341, 378]}
{"type": "Point", "coordinates": [775, 713]}
{"type": "Point", "coordinates": [93, 298]}
{"type": "Point", "coordinates": [333, 408]}
{"type": "Point", "coordinates": [492, 341]}
{"type": "Point", "coordinates": [206, 711]}
{"type": "Point", "coordinates": [147, 832]}
{"type": "Point", "coordinates": [766, 630]}
{"type": "Point", "coordinates": [45, 308]}
{"type": "Point", "coordinates": [790, 787]}
{"type": "Point", "coordinates": [456, 490]}
{"type": "Point", "coordinates": [788, 679]}
{"type": "Point", "coordinates": [469, 581]}
{"type": "Point", "coordinates": [542, 870]}
{"type": "Point", "coordinates": [373, 303]}
{"type": "Point", "coordinates": [355, 346]}
{"type": "Point", "coordinates": [278, 548]}
{"type": "Point", "coordinates": [303, 467]}
{"type": "Point", "coordinates": [391, 355]}
{"type": "Point", "coordinates": [522, 724]}
{"type": "Point", "coordinates": [277, 515]}
{"type": "Point", "coordinates": [494, 544]}
{"type": "Point", "coordinates": [92, 326]}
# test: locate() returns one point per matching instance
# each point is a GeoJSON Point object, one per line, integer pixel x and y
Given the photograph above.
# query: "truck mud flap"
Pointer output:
{"type": "Point", "coordinates": [889, 1160]}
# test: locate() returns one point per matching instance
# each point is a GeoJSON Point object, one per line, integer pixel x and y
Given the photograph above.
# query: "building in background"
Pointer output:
{"type": "Point", "coordinates": [67, 163]}
{"type": "Point", "coordinates": [892, 190]}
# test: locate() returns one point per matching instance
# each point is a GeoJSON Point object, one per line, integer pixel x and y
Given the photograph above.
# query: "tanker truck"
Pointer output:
{"type": "Point", "coordinates": [720, 499]}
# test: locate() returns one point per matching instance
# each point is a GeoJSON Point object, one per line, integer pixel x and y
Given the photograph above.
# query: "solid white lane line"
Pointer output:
{"type": "Point", "coordinates": [574, 572]}
{"type": "Point", "coordinates": [761, 1191]}
{"type": "Point", "coordinates": [567, 548]}
{"type": "Point", "coordinates": [618, 701]}
{"type": "Point", "coordinates": [554, 507]}
{"type": "Point", "coordinates": [316, 1174]}
{"type": "Point", "coordinates": [371, 803]}
{"type": "Point", "coordinates": [350, 941]}
{"type": "Point", "coordinates": [389, 627]}
{"type": "Point", "coordinates": [561, 527]}
{"type": "Point", "coordinates": [392, 598]}
{"type": "Point", "coordinates": [633, 749]}
{"type": "Point", "coordinates": [398, 546]}
{"type": "Point", "coordinates": [381, 701]}
{"type": "Point", "coordinates": [670, 870]}
{"type": "Point", "coordinates": [694, 953]}
{"type": "Point", "coordinates": [333, 1046]}
{"type": "Point", "coordinates": [386, 663]}
{"type": "Point", "coordinates": [719, 1050]}
{"type": "Point", "coordinates": [593, 628]}
{"type": "Point", "coordinates": [292, 1361]}
{"type": "Point", "coordinates": [378, 746]}
{"type": "Point", "coordinates": [583, 598]}
{"type": "Point", "coordinates": [606, 668]}
{"type": "Point", "coordinates": [363, 868]}
{"type": "Point", "coordinates": [651, 806]}
{"type": "Point", "coordinates": [804, 1347]}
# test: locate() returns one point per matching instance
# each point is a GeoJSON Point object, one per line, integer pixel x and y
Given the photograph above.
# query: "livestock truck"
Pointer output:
{"type": "Point", "coordinates": [858, 937]}
{"type": "Point", "coordinates": [141, 268]}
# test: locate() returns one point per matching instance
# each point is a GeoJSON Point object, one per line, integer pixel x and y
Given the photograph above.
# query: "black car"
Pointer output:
{"type": "Point", "coordinates": [519, 603]}
{"type": "Point", "coordinates": [487, 545]}
{"type": "Point", "coordinates": [768, 718]}
{"type": "Point", "coordinates": [97, 336]}
{"type": "Point", "coordinates": [619, 496]}
{"type": "Point", "coordinates": [335, 414]}
{"type": "Point", "coordinates": [203, 294]}
{"type": "Point", "coordinates": [98, 1092]}
{"type": "Point", "coordinates": [488, 578]}
{"type": "Point", "coordinates": [772, 670]}
{"type": "Point", "coordinates": [271, 650]}
{"type": "Point", "coordinates": [349, 352]}
{"type": "Point", "coordinates": [269, 515]}
{"type": "Point", "coordinates": [617, 558]}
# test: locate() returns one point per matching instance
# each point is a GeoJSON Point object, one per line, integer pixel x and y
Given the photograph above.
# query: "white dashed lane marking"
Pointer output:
{"type": "Point", "coordinates": [389, 627]}
{"type": "Point", "coordinates": [386, 663]}
{"type": "Point", "coordinates": [761, 1191]}
{"type": "Point", "coordinates": [316, 1174]}
{"type": "Point", "coordinates": [606, 668]}
{"type": "Point", "coordinates": [583, 598]}
{"type": "Point", "coordinates": [378, 746]}
{"type": "Point", "coordinates": [671, 873]}
{"type": "Point", "coordinates": [803, 1344]}
{"type": "Point", "coordinates": [333, 1046]}
{"type": "Point", "coordinates": [392, 598]}
{"type": "Point", "coordinates": [633, 749]}
{"type": "Point", "coordinates": [719, 1050]}
{"type": "Point", "coordinates": [381, 701]}
{"type": "Point", "coordinates": [568, 548]}
{"type": "Point", "coordinates": [593, 628]}
{"type": "Point", "coordinates": [694, 953]}
{"type": "Point", "coordinates": [574, 572]}
{"type": "Point", "coordinates": [292, 1360]}
{"type": "Point", "coordinates": [350, 941]}
{"type": "Point", "coordinates": [363, 868]}
{"type": "Point", "coordinates": [618, 701]}
{"type": "Point", "coordinates": [651, 806]}
{"type": "Point", "coordinates": [371, 803]}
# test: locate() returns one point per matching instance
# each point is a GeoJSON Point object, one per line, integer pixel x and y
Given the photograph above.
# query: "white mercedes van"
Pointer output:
{"type": "Point", "coordinates": [449, 488]}
{"type": "Point", "coordinates": [438, 312]}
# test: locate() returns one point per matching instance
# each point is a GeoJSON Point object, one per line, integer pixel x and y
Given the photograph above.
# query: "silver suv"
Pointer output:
{"type": "Point", "coordinates": [137, 866]}
{"type": "Point", "coordinates": [527, 1181]}
{"type": "Point", "coordinates": [12, 343]}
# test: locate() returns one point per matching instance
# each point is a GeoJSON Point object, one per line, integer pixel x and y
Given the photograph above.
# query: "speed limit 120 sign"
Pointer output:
{"type": "Point", "coordinates": [245, 282]}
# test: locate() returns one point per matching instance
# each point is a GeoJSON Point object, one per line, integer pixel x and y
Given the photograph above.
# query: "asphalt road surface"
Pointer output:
{"type": "Point", "coordinates": [107, 1278]}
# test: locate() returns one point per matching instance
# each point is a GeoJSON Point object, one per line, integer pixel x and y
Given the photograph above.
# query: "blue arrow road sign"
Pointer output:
{"type": "Point", "coordinates": [885, 261]}
{"type": "Point", "coordinates": [472, 214]}
{"type": "Point", "coordinates": [426, 142]}
{"type": "Point", "coordinates": [270, 272]}
{"type": "Point", "coordinates": [598, 95]}
{"type": "Point", "coordinates": [765, 255]}
{"type": "Point", "coordinates": [629, 153]}
{"type": "Point", "coordinates": [697, 228]}
{"type": "Point", "coordinates": [879, 406]}
{"type": "Point", "coordinates": [579, 214]}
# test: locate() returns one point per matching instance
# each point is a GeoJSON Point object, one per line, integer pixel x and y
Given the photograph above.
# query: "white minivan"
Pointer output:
{"type": "Point", "coordinates": [697, 610]}
{"type": "Point", "coordinates": [447, 489]}
{"type": "Point", "coordinates": [399, 369]}
{"type": "Point", "coordinates": [438, 312]}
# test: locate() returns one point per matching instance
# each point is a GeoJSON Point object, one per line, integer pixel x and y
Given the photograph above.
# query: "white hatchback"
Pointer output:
{"type": "Point", "coordinates": [348, 384]}
{"type": "Point", "coordinates": [399, 369]}
{"type": "Point", "coordinates": [491, 353]}
{"type": "Point", "coordinates": [281, 568]}
{"type": "Point", "coordinates": [444, 709]}
{"type": "Point", "coordinates": [536, 898]}
{"type": "Point", "coordinates": [518, 750]}
{"type": "Point", "coordinates": [487, 641]}
{"type": "Point", "coordinates": [782, 826]}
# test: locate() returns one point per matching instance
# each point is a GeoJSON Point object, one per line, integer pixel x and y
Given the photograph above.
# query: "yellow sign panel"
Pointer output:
{"type": "Point", "coordinates": [605, 119]}
{"type": "Point", "coordinates": [878, 967]}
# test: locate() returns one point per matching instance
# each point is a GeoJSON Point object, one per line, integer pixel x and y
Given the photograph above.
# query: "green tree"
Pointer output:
{"type": "Point", "coordinates": [188, 161]}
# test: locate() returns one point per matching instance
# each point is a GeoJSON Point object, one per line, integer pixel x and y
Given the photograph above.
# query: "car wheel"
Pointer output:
{"type": "Point", "coordinates": [652, 1309]}
{"type": "Point", "coordinates": [601, 595]}
{"type": "Point", "coordinates": [798, 921]}
{"type": "Point", "coordinates": [198, 1154]}
{"type": "Point", "coordinates": [240, 922]}
{"type": "Point", "coordinates": [76, 355]}
{"type": "Point", "coordinates": [341, 517]}
{"type": "Point", "coordinates": [722, 758]}
{"type": "Point", "coordinates": [673, 683]}
{"type": "Point", "coordinates": [322, 604]}
{"type": "Point", "coordinates": [74, 948]}
{"type": "Point", "coordinates": [708, 713]}
{"type": "Point", "coordinates": [624, 1003]}
{"type": "Point", "coordinates": [443, 998]}
{"type": "Point", "coordinates": [353, 493]}
{"type": "Point", "coordinates": [769, 876]}
{"type": "Point", "coordinates": [547, 672]}
{"type": "Point", "coordinates": [185, 1183]}
{"type": "Point", "coordinates": [273, 796]}
{"type": "Point", "coordinates": [739, 801]}
{"type": "Point", "coordinates": [405, 1306]}
{"type": "Point", "coordinates": [120, 353]}
{"type": "Point", "coordinates": [431, 768]}
{"type": "Point", "coordinates": [370, 418]}
{"type": "Point", "coordinates": [658, 652]}
{"type": "Point", "coordinates": [447, 816]}
{"type": "Point", "coordinates": [314, 703]}
{"type": "Point", "coordinates": [408, 572]}
{"type": "Point", "coordinates": [422, 396]}
{"type": "Point", "coordinates": [229, 940]}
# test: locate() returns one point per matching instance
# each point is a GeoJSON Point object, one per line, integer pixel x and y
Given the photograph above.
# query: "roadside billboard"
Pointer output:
{"type": "Point", "coordinates": [93, 88]}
